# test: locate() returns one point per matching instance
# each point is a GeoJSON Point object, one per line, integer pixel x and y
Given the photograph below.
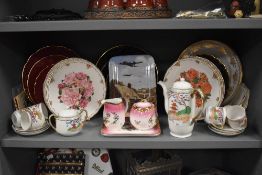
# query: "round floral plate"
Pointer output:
{"type": "Point", "coordinates": [226, 56]}
{"type": "Point", "coordinates": [43, 52]}
{"type": "Point", "coordinates": [202, 74]}
{"type": "Point", "coordinates": [74, 83]}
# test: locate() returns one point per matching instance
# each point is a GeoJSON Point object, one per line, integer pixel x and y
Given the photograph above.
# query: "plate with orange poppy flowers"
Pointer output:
{"type": "Point", "coordinates": [74, 83]}
{"type": "Point", "coordinates": [224, 58]}
{"type": "Point", "coordinates": [202, 74]}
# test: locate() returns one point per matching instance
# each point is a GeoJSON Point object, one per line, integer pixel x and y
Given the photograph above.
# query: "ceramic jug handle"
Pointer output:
{"type": "Point", "coordinates": [86, 118]}
{"type": "Point", "coordinates": [50, 123]}
{"type": "Point", "coordinates": [199, 91]}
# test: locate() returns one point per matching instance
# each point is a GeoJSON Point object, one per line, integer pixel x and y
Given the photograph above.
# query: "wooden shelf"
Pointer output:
{"type": "Point", "coordinates": [90, 137]}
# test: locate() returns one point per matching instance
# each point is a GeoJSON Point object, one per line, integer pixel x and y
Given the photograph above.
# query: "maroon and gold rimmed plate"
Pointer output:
{"type": "Point", "coordinates": [43, 52]}
{"type": "Point", "coordinates": [37, 68]}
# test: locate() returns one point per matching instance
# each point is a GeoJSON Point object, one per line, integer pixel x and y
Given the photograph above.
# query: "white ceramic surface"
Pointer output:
{"type": "Point", "coordinates": [236, 117]}
{"type": "Point", "coordinates": [33, 117]}
{"type": "Point", "coordinates": [179, 130]}
{"type": "Point", "coordinates": [226, 131]}
{"type": "Point", "coordinates": [216, 116]}
{"type": "Point", "coordinates": [74, 84]}
{"type": "Point", "coordinates": [22, 132]}
{"type": "Point", "coordinates": [16, 118]}
{"type": "Point", "coordinates": [68, 122]}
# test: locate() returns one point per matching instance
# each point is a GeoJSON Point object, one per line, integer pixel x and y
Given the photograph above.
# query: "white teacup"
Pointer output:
{"type": "Point", "coordinates": [236, 117]}
{"type": "Point", "coordinates": [69, 122]}
{"type": "Point", "coordinates": [216, 116]}
{"type": "Point", "coordinates": [30, 118]}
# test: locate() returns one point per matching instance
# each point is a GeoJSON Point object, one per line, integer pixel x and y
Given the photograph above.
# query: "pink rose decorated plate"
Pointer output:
{"type": "Point", "coordinates": [74, 83]}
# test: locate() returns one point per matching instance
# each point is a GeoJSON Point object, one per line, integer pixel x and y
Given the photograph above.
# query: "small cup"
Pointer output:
{"type": "Point", "coordinates": [236, 117]}
{"type": "Point", "coordinates": [16, 118]}
{"type": "Point", "coordinates": [30, 118]}
{"type": "Point", "coordinates": [69, 122]}
{"type": "Point", "coordinates": [140, 5]}
{"type": "Point", "coordinates": [143, 115]}
{"type": "Point", "coordinates": [111, 5]}
{"type": "Point", "coordinates": [216, 116]}
{"type": "Point", "coordinates": [114, 113]}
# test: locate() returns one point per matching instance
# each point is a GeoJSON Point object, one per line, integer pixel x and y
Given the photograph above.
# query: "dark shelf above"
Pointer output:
{"type": "Point", "coordinates": [134, 24]}
{"type": "Point", "coordinates": [90, 137]}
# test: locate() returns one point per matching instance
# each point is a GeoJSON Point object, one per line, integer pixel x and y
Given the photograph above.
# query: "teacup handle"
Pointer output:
{"type": "Point", "coordinates": [244, 123]}
{"type": "Point", "coordinates": [50, 123]}
{"type": "Point", "coordinates": [199, 91]}
{"type": "Point", "coordinates": [84, 118]}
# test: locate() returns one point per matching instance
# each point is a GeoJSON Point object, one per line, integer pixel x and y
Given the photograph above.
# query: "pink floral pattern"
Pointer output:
{"type": "Point", "coordinates": [76, 90]}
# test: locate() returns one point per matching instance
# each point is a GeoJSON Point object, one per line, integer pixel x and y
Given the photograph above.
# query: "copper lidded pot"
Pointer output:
{"type": "Point", "coordinates": [140, 4]}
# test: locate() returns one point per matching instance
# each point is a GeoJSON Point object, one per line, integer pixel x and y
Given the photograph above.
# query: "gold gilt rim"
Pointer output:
{"type": "Point", "coordinates": [232, 55]}
{"type": "Point", "coordinates": [214, 69]}
{"type": "Point", "coordinates": [30, 96]}
{"type": "Point", "coordinates": [124, 45]}
{"type": "Point", "coordinates": [62, 64]}
{"type": "Point", "coordinates": [28, 60]}
{"type": "Point", "coordinates": [114, 47]}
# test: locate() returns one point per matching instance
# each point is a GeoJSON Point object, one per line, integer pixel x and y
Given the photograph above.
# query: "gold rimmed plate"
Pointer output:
{"type": "Point", "coordinates": [40, 67]}
{"type": "Point", "coordinates": [202, 74]}
{"type": "Point", "coordinates": [119, 50]}
{"type": "Point", "coordinates": [226, 56]}
{"type": "Point", "coordinates": [36, 56]}
{"type": "Point", "coordinates": [74, 83]}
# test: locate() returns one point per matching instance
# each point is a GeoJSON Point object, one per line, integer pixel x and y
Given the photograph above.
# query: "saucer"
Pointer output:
{"type": "Point", "coordinates": [226, 131]}
{"type": "Point", "coordinates": [20, 131]}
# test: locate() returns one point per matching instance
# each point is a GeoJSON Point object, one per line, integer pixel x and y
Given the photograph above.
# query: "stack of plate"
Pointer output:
{"type": "Point", "coordinates": [226, 130]}
{"type": "Point", "coordinates": [242, 96]}
{"type": "Point", "coordinates": [37, 67]}
{"type": "Point", "coordinates": [225, 59]}
{"type": "Point", "coordinates": [30, 132]}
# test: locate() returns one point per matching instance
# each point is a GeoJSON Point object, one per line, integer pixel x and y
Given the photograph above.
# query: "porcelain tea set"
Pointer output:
{"type": "Point", "coordinates": [34, 120]}
{"type": "Point", "coordinates": [180, 106]}
{"type": "Point", "coordinates": [142, 114]}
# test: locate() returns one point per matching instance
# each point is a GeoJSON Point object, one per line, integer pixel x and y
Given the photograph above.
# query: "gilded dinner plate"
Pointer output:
{"type": "Point", "coordinates": [36, 56]}
{"type": "Point", "coordinates": [226, 56]}
{"type": "Point", "coordinates": [202, 74]}
{"type": "Point", "coordinates": [38, 68]}
{"type": "Point", "coordinates": [74, 83]}
{"type": "Point", "coordinates": [119, 50]}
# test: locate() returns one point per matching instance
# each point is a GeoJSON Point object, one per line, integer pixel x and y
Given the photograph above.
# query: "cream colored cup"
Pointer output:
{"type": "Point", "coordinates": [30, 118]}
{"type": "Point", "coordinates": [69, 122]}
{"type": "Point", "coordinates": [236, 117]}
{"type": "Point", "coordinates": [216, 116]}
